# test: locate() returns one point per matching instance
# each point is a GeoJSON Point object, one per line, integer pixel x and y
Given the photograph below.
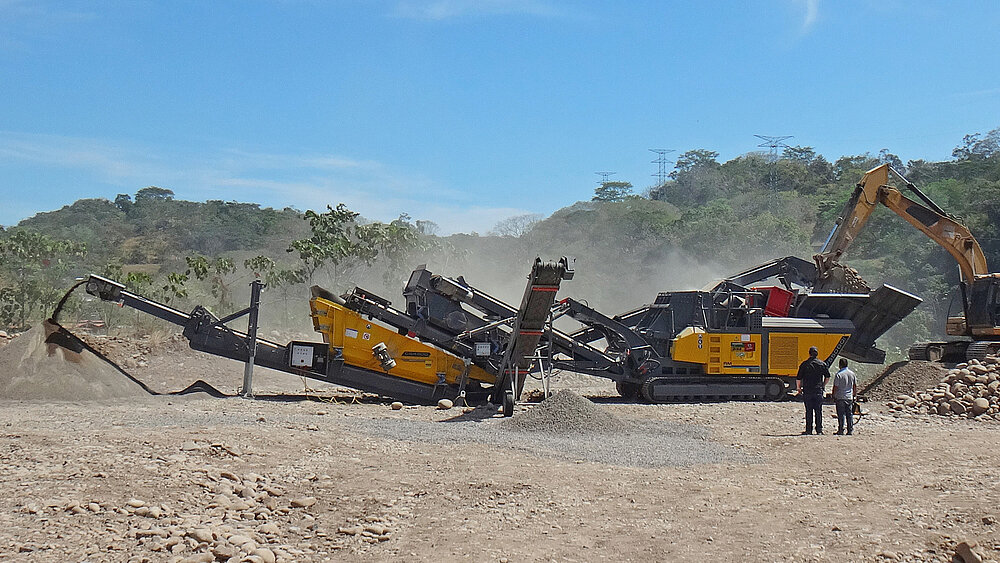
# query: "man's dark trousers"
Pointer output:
{"type": "Point", "coordinates": [845, 408]}
{"type": "Point", "coordinates": [814, 411]}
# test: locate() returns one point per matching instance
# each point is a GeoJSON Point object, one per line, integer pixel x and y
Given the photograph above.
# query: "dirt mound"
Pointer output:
{"type": "Point", "coordinates": [565, 412]}
{"type": "Point", "coordinates": [904, 378]}
{"type": "Point", "coordinates": [50, 364]}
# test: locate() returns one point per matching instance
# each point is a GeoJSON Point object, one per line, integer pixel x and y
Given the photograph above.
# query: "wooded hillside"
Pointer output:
{"type": "Point", "coordinates": [709, 219]}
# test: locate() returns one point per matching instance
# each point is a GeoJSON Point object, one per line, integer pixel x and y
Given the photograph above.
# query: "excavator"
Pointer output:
{"type": "Point", "coordinates": [979, 325]}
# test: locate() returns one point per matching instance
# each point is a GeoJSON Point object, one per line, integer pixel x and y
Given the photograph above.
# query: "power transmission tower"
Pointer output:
{"type": "Point", "coordinates": [773, 143]}
{"type": "Point", "coordinates": [604, 176]}
{"type": "Point", "coordinates": [661, 162]}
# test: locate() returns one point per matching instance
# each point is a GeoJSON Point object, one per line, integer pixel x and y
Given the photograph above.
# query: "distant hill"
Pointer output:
{"type": "Point", "coordinates": [161, 229]}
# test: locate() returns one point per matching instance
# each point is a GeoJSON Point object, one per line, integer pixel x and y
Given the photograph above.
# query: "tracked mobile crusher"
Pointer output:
{"type": "Point", "coordinates": [733, 339]}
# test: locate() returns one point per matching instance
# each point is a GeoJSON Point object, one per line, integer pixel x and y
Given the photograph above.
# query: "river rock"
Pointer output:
{"type": "Point", "coordinates": [303, 502]}
{"type": "Point", "coordinates": [979, 406]}
{"type": "Point", "coordinates": [265, 554]}
{"type": "Point", "coordinates": [966, 551]}
{"type": "Point", "coordinates": [201, 535]}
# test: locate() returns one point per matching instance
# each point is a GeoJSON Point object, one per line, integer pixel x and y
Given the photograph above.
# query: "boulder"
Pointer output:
{"type": "Point", "coordinates": [966, 551]}
{"type": "Point", "coordinates": [979, 406]}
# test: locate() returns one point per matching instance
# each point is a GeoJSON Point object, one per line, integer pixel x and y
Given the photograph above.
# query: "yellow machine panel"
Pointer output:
{"type": "Point", "coordinates": [741, 354]}
{"type": "Point", "coordinates": [355, 337]}
{"type": "Point", "coordinates": [720, 353]}
{"type": "Point", "coordinates": [787, 350]}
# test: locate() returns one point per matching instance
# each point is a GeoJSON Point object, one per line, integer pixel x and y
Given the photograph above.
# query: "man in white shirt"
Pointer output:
{"type": "Point", "coordinates": [845, 386]}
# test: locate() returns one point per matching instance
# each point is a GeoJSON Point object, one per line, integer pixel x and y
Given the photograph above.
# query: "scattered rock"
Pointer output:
{"type": "Point", "coordinates": [201, 535]}
{"type": "Point", "coordinates": [445, 404]}
{"type": "Point", "coordinates": [303, 502]}
{"type": "Point", "coordinates": [396, 406]}
{"type": "Point", "coordinates": [265, 554]}
{"type": "Point", "coordinates": [966, 551]}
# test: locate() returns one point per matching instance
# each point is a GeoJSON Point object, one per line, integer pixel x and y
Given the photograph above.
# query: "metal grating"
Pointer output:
{"type": "Point", "coordinates": [783, 352]}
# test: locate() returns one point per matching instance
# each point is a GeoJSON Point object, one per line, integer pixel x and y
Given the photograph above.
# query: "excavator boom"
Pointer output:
{"type": "Point", "coordinates": [980, 288]}
{"type": "Point", "coordinates": [927, 217]}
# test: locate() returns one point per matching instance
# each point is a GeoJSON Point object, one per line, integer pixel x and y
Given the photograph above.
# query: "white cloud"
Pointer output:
{"type": "Point", "coordinates": [811, 15]}
{"type": "Point", "coordinates": [306, 181]}
{"type": "Point", "coordinates": [447, 9]}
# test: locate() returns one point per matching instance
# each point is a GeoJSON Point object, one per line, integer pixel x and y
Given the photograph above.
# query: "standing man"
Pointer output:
{"type": "Point", "coordinates": [811, 382]}
{"type": "Point", "coordinates": [845, 386]}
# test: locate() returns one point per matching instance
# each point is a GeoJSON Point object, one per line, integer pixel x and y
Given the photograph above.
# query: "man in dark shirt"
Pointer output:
{"type": "Point", "coordinates": [811, 381]}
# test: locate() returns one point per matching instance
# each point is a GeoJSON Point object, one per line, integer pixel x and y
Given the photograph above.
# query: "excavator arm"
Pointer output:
{"type": "Point", "coordinates": [925, 215]}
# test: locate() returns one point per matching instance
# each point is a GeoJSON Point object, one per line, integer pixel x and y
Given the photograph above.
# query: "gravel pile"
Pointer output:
{"type": "Point", "coordinates": [565, 412]}
{"type": "Point", "coordinates": [904, 378]}
{"type": "Point", "coordinates": [50, 364]}
{"type": "Point", "coordinates": [635, 444]}
{"type": "Point", "coordinates": [970, 390]}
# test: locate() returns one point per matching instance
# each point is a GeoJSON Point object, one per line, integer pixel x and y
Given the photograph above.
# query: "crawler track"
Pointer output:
{"type": "Point", "coordinates": [712, 388]}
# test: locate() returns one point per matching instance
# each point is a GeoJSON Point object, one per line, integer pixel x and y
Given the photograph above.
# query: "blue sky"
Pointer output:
{"type": "Point", "coordinates": [464, 112]}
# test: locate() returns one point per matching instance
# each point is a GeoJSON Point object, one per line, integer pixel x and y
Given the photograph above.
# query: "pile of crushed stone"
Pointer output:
{"type": "Point", "coordinates": [904, 378]}
{"type": "Point", "coordinates": [565, 412]}
{"type": "Point", "coordinates": [48, 363]}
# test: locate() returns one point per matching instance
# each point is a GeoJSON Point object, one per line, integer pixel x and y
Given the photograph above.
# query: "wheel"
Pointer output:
{"type": "Point", "coordinates": [627, 390]}
{"type": "Point", "coordinates": [774, 390]}
{"type": "Point", "coordinates": [508, 404]}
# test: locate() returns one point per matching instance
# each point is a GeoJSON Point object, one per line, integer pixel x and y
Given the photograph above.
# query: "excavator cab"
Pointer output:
{"type": "Point", "coordinates": [982, 313]}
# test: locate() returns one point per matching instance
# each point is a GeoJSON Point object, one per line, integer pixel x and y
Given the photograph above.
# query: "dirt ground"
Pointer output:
{"type": "Point", "coordinates": [304, 477]}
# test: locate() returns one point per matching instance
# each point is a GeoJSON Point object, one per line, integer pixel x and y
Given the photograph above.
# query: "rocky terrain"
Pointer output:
{"type": "Point", "coordinates": [324, 474]}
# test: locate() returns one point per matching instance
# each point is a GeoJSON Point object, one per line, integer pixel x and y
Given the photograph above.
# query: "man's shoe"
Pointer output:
{"type": "Point", "coordinates": [850, 432]}
{"type": "Point", "coordinates": [839, 432]}
{"type": "Point", "coordinates": [819, 431]}
{"type": "Point", "coordinates": [807, 432]}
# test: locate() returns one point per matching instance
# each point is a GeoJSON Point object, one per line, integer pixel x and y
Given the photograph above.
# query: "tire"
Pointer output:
{"type": "Point", "coordinates": [508, 404]}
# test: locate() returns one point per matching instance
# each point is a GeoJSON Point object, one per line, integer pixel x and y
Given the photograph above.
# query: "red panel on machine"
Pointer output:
{"type": "Point", "coordinates": [779, 301]}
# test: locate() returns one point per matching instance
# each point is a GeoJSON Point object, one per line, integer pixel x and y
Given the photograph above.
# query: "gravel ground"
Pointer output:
{"type": "Point", "coordinates": [639, 444]}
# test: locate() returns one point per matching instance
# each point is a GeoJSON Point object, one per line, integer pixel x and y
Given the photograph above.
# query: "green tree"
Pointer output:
{"type": "Point", "coordinates": [152, 193]}
{"type": "Point", "coordinates": [805, 155]}
{"type": "Point", "coordinates": [694, 160]}
{"type": "Point", "coordinates": [34, 267]}
{"type": "Point", "coordinates": [976, 147]}
{"type": "Point", "coordinates": [123, 202]}
{"type": "Point", "coordinates": [330, 240]}
{"type": "Point", "coordinates": [215, 271]}
{"type": "Point", "coordinates": [612, 191]}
